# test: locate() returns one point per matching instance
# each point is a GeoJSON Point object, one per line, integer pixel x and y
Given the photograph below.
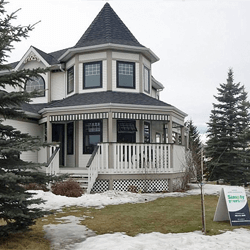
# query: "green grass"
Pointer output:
{"type": "Point", "coordinates": [165, 215]}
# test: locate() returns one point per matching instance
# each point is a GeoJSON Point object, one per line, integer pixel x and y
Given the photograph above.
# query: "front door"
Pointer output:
{"type": "Point", "coordinates": [58, 135]}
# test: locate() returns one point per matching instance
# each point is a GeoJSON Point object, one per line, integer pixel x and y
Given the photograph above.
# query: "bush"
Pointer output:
{"type": "Point", "coordinates": [36, 186]}
{"type": "Point", "coordinates": [69, 188]}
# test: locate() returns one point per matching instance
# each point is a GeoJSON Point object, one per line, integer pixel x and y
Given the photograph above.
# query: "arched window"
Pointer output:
{"type": "Point", "coordinates": [36, 83]}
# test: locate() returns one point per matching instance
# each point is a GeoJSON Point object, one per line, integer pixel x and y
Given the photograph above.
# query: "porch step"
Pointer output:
{"type": "Point", "coordinates": [77, 174]}
{"type": "Point", "coordinates": [82, 179]}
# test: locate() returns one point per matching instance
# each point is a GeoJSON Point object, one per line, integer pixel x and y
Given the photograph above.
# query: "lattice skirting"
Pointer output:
{"type": "Point", "coordinates": [131, 185]}
{"type": "Point", "coordinates": [148, 186]}
{"type": "Point", "coordinates": [100, 186]}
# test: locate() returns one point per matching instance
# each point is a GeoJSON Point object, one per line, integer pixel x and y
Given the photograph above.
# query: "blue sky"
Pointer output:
{"type": "Point", "coordinates": [196, 41]}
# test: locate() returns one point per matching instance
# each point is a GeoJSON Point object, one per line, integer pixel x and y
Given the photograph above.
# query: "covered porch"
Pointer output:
{"type": "Point", "coordinates": [110, 144]}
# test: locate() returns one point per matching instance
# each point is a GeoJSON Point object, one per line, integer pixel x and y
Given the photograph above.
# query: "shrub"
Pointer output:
{"type": "Point", "coordinates": [36, 186]}
{"type": "Point", "coordinates": [69, 188]}
{"type": "Point", "coordinates": [132, 189]}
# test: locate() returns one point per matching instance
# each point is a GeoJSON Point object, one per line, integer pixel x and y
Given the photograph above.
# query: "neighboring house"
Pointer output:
{"type": "Point", "coordinates": [101, 92]}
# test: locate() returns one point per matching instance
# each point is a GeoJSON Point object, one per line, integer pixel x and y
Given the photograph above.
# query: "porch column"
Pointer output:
{"type": "Point", "coordinates": [49, 135]}
{"type": "Point", "coordinates": [170, 130]}
{"type": "Point", "coordinates": [110, 140]}
{"type": "Point", "coordinates": [76, 135]}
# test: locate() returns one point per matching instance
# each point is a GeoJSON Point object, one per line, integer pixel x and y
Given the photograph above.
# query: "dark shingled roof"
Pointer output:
{"type": "Point", "coordinates": [97, 98]}
{"type": "Point", "coordinates": [107, 27]}
{"type": "Point", "coordinates": [106, 98]}
{"type": "Point", "coordinates": [33, 108]}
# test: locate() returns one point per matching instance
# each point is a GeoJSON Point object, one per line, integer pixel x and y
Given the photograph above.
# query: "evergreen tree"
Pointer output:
{"type": "Point", "coordinates": [228, 120]}
{"type": "Point", "coordinates": [15, 203]}
{"type": "Point", "coordinates": [195, 147]}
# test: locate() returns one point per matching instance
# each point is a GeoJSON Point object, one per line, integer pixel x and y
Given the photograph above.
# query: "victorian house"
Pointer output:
{"type": "Point", "coordinates": [100, 104]}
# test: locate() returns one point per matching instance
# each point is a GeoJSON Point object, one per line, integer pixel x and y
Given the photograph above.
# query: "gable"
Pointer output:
{"type": "Point", "coordinates": [32, 59]}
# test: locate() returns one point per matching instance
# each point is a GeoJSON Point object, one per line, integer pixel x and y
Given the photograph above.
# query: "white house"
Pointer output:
{"type": "Point", "coordinates": [100, 102]}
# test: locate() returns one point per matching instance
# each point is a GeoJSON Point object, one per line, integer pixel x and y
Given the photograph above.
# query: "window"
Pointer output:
{"type": "Point", "coordinates": [36, 83]}
{"type": "Point", "coordinates": [70, 80]}
{"type": "Point", "coordinates": [92, 75]}
{"type": "Point", "coordinates": [125, 75]}
{"type": "Point", "coordinates": [92, 134]}
{"type": "Point", "coordinates": [147, 132]}
{"type": "Point", "coordinates": [70, 138]}
{"type": "Point", "coordinates": [126, 131]}
{"type": "Point", "coordinates": [146, 80]}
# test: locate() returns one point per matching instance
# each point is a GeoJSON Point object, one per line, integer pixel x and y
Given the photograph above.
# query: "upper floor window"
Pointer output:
{"type": "Point", "coordinates": [125, 75]}
{"type": "Point", "coordinates": [36, 83]}
{"type": "Point", "coordinates": [92, 75]}
{"type": "Point", "coordinates": [146, 80]}
{"type": "Point", "coordinates": [70, 80]}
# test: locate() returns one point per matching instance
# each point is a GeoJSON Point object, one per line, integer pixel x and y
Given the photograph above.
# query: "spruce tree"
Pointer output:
{"type": "Point", "coordinates": [195, 147]}
{"type": "Point", "coordinates": [16, 212]}
{"type": "Point", "coordinates": [228, 120]}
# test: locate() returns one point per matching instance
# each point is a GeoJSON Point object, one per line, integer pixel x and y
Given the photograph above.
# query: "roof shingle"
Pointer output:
{"type": "Point", "coordinates": [107, 27]}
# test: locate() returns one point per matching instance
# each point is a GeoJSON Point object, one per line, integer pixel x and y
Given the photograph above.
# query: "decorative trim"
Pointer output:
{"type": "Point", "coordinates": [78, 117]}
{"type": "Point", "coordinates": [31, 57]}
{"type": "Point", "coordinates": [139, 116]}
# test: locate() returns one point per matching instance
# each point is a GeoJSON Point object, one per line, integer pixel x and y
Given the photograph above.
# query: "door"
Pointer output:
{"type": "Point", "coordinates": [58, 135]}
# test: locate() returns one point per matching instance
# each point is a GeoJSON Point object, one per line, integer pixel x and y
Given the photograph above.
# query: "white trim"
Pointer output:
{"type": "Point", "coordinates": [27, 54]}
{"type": "Point", "coordinates": [171, 109]}
{"type": "Point", "coordinates": [146, 51]}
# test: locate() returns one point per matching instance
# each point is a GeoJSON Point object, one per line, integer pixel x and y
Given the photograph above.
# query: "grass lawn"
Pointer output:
{"type": "Point", "coordinates": [165, 215]}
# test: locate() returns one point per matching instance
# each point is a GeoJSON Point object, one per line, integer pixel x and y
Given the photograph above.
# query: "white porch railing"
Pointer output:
{"type": "Point", "coordinates": [135, 158]}
{"type": "Point", "coordinates": [53, 162]}
{"type": "Point", "coordinates": [140, 158]}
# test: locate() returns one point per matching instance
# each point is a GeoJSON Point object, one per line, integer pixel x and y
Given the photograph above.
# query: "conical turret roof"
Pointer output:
{"type": "Point", "coordinates": [107, 27]}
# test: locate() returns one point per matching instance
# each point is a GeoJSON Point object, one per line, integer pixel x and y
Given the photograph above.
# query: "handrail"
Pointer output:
{"type": "Point", "coordinates": [53, 162]}
{"type": "Point", "coordinates": [52, 156]}
{"type": "Point", "coordinates": [92, 156]}
{"type": "Point", "coordinates": [93, 166]}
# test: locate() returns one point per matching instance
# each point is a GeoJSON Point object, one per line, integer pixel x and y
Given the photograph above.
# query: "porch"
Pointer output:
{"type": "Point", "coordinates": [122, 164]}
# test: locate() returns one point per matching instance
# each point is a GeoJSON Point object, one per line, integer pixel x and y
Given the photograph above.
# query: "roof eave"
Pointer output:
{"type": "Point", "coordinates": [145, 51]}
{"type": "Point", "coordinates": [141, 108]}
{"type": "Point", "coordinates": [156, 84]}
{"type": "Point", "coordinates": [32, 115]}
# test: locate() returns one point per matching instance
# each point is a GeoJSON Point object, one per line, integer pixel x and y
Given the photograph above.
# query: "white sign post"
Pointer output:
{"type": "Point", "coordinates": [233, 206]}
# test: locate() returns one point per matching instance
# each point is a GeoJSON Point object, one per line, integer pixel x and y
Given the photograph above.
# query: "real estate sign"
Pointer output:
{"type": "Point", "coordinates": [233, 206]}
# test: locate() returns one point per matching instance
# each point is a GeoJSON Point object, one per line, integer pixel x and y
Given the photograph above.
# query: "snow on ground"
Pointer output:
{"type": "Point", "coordinates": [56, 202]}
{"type": "Point", "coordinates": [236, 240]}
{"type": "Point", "coordinates": [76, 237]}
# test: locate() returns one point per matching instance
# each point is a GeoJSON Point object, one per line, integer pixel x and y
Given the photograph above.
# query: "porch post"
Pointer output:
{"type": "Point", "coordinates": [170, 130]}
{"type": "Point", "coordinates": [49, 135]}
{"type": "Point", "coordinates": [110, 140]}
{"type": "Point", "coordinates": [76, 135]}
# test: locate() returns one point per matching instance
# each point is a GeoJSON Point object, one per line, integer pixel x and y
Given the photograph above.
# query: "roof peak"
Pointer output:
{"type": "Point", "coordinates": [107, 27]}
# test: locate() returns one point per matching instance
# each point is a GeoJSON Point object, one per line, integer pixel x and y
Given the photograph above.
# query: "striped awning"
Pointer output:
{"type": "Point", "coordinates": [140, 116]}
{"type": "Point", "coordinates": [104, 115]}
{"type": "Point", "coordinates": [78, 117]}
